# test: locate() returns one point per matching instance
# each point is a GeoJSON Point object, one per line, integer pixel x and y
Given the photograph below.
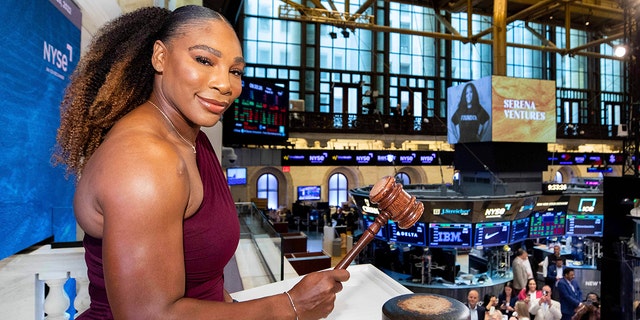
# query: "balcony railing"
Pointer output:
{"type": "Point", "coordinates": [321, 122]}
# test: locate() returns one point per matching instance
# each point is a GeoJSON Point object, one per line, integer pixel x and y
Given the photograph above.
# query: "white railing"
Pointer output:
{"type": "Point", "coordinates": [31, 271]}
{"type": "Point", "coordinates": [54, 267]}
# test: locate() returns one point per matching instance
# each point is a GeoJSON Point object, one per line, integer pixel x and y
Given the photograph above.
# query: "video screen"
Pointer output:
{"type": "Point", "coordinates": [236, 176]}
{"type": "Point", "coordinates": [382, 233]}
{"type": "Point", "coordinates": [450, 234]}
{"type": "Point", "coordinates": [260, 115]}
{"type": "Point", "coordinates": [309, 193]}
{"type": "Point", "coordinates": [488, 234]}
{"type": "Point", "coordinates": [585, 224]}
{"type": "Point", "coordinates": [502, 109]}
{"type": "Point", "coordinates": [547, 224]}
{"type": "Point", "coordinates": [414, 235]}
{"type": "Point", "coordinates": [519, 230]}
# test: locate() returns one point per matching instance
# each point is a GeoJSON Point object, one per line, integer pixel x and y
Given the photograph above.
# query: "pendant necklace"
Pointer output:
{"type": "Point", "coordinates": [193, 147]}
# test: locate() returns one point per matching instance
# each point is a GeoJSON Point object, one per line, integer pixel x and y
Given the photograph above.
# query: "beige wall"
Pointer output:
{"type": "Point", "coordinates": [319, 175]}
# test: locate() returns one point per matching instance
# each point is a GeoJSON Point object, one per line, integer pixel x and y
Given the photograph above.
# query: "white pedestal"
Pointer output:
{"type": "Point", "coordinates": [362, 296]}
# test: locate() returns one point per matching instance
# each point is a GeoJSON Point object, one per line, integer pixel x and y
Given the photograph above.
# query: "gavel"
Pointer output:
{"type": "Point", "coordinates": [394, 203]}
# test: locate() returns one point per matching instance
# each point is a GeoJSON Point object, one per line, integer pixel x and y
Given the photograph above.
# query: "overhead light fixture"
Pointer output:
{"type": "Point", "coordinates": [619, 51]}
{"type": "Point", "coordinates": [345, 34]}
{"type": "Point", "coordinates": [333, 35]}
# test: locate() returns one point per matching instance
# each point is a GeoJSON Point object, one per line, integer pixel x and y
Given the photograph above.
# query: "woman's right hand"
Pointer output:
{"type": "Point", "coordinates": [315, 294]}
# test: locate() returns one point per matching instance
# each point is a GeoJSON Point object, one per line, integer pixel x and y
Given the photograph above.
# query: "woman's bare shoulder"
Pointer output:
{"type": "Point", "coordinates": [134, 169]}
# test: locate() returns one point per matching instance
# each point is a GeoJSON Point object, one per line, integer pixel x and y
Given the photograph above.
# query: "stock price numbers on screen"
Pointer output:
{"type": "Point", "coordinates": [547, 224]}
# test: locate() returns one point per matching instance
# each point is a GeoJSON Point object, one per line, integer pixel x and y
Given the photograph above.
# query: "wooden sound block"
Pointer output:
{"type": "Point", "coordinates": [424, 306]}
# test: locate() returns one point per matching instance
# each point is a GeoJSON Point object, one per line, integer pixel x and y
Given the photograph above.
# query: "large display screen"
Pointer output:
{"type": "Point", "coordinates": [585, 224]}
{"type": "Point", "coordinates": [414, 235]}
{"type": "Point", "coordinates": [491, 233]}
{"type": "Point", "coordinates": [450, 234]}
{"type": "Point", "coordinates": [259, 116]}
{"type": "Point", "coordinates": [236, 176]}
{"type": "Point", "coordinates": [41, 48]}
{"type": "Point", "coordinates": [382, 233]}
{"type": "Point", "coordinates": [502, 109]}
{"type": "Point", "coordinates": [309, 193]}
{"type": "Point", "coordinates": [547, 224]}
{"type": "Point", "coordinates": [519, 230]}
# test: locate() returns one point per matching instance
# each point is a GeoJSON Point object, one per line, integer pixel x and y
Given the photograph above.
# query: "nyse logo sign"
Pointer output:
{"type": "Point", "coordinates": [494, 212]}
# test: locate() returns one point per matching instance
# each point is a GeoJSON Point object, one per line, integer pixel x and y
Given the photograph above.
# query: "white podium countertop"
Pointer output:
{"type": "Point", "coordinates": [362, 296]}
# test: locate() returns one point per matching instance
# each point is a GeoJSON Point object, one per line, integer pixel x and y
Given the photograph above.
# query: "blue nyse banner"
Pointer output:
{"type": "Point", "coordinates": [41, 47]}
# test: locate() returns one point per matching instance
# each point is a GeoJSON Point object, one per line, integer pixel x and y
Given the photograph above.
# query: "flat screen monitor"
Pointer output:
{"type": "Point", "coordinates": [489, 234]}
{"type": "Point", "coordinates": [519, 230]}
{"type": "Point", "coordinates": [450, 234]}
{"type": "Point", "coordinates": [260, 115]}
{"type": "Point", "coordinates": [309, 193]}
{"type": "Point", "coordinates": [415, 235]}
{"type": "Point", "coordinates": [382, 233]}
{"type": "Point", "coordinates": [547, 224]}
{"type": "Point", "coordinates": [236, 176]}
{"type": "Point", "coordinates": [585, 225]}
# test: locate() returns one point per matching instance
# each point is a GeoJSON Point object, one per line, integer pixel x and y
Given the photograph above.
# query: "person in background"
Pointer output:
{"type": "Point", "coordinates": [476, 311]}
{"type": "Point", "coordinates": [545, 308]}
{"type": "Point", "coordinates": [490, 304]}
{"type": "Point", "coordinates": [556, 254]}
{"type": "Point", "coordinates": [590, 309]}
{"type": "Point", "coordinates": [148, 182]}
{"type": "Point", "coordinates": [554, 272]}
{"type": "Point", "coordinates": [570, 293]}
{"type": "Point", "coordinates": [521, 270]}
{"type": "Point", "coordinates": [593, 298]}
{"type": "Point", "coordinates": [521, 311]}
{"type": "Point", "coordinates": [530, 293]}
{"type": "Point", "coordinates": [507, 299]}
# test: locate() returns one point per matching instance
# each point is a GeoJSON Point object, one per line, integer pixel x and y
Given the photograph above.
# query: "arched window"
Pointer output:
{"type": "Point", "coordinates": [267, 187]}
{"type": "Point", "coordinates": [337, 189]}
{"type": "Point", "coordinates": [403, 178]}
{"type": "Point", "coordinates": [558, 178]}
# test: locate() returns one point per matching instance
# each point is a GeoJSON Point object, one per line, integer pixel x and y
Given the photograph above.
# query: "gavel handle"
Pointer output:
{"type": "Point", "coordinates": [367, 236]}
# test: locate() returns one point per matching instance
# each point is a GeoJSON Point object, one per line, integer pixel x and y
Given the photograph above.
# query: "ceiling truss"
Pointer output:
{"type": "Point", "coordinates": [602, 18]}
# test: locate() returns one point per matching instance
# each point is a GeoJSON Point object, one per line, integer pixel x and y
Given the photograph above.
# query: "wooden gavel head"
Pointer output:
{"type": "Point", "coordinates": [394, 203]}
{"type": "Point", "coordinates": [403, 208]}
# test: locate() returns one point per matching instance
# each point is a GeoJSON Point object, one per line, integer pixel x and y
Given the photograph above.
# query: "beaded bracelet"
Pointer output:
{"type": "Point", "coordinates": [292, 304]}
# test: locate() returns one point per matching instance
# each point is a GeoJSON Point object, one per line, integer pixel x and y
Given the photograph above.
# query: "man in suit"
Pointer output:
{"type": "Point", "coordinates": [521, 270]}
{"type": "Point", "coordinates": [476, 311]}
{"type": "Point", "coordinates": [570, 293]}
{"type": "Point", "coordinates": [545, 308]}
{"type": "Point", "coordinates": [554, 274]}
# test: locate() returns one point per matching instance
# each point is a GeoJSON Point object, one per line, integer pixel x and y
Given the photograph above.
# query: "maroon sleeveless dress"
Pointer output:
{"type": "Point", "coordinates": [211, 237]}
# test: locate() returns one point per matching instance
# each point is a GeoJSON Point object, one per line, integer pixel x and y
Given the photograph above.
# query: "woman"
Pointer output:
{"type": "Point", "coordinates": [530, 293]}
{"type": "Point", "coordinates": [159, 221]}
{"type": "Point", "coordinates": [521, 311]}
{"type": "Point", "coordinates": [507, 299]}
{"type": "Point", "coordinates": [470, 121]}
{"type": "Point", "coordinates": [490, 304]}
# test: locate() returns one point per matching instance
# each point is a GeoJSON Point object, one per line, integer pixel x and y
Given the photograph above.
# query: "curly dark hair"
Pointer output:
{"type": "Point", "coordinates": [114, 77]}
